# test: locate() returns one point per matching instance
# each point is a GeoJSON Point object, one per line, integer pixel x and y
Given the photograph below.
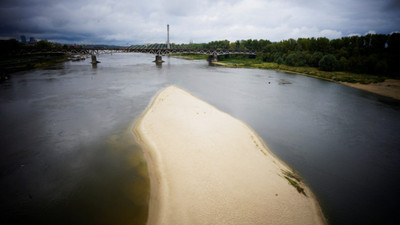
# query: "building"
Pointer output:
{"type": "Point", "coordinates": [32, 40]}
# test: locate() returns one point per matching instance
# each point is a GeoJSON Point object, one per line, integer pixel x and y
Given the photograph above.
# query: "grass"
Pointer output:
{"type": "Point", "coordinates": [191, 56]}
{"type": "Point", "coordinates": [294, 180]}
{"type": "Point", "coordinates": [291, 175]}
{"type": "Point", "coordinates": [336, 76]}
{"type": "Point", "coordinates": [14, 64]}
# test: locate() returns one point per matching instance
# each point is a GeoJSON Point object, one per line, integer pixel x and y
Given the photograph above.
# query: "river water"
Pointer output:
{"type": "Point", "coordinates": [68, 155]}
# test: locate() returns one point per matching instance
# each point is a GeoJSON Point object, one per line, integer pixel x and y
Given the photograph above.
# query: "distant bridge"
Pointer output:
{"type": "Point", "coordinates": [157, 49]}
{"type": "Point", "coordinates": [161, 50]}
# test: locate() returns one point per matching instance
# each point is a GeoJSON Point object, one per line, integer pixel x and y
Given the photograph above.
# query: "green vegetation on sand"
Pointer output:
{"type": "Point", "coordinates": [294, 180]}
{"type": "Point", "coordinates": [191, 56]}
{"type": "Point", "coordinates": [308, 71]}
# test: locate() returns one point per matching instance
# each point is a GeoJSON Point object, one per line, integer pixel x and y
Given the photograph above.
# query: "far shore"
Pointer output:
{"type": "Point", "coordinates": [207, 167]}
{"type": "Point", "coordinates": [389, 87]}
{"type": "Point", "coordinates": [385, 87]}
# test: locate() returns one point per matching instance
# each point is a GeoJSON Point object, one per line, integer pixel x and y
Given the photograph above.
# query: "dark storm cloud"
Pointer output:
{"type": "Point", "coordinates": [127, 21]}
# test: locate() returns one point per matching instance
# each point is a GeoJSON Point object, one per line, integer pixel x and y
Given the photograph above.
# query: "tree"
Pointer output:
{"type": "Point", "coordinates": [394, 42]}
{"type": "Point", "coordinates": [343, 63]}
{"type": "Point", "coordinates": [279, 60]}
{"type": "Point", "coordinates": [328, 63]}
{"type": "Point", "coordinates": [9, 46]}
{"type": "Point", "coordinates": [381, 67]}
{"type": "Point", "coordinates": [42, 44]}
{"type": "Point", "coordinates": [295, 59]}
{"type": "Point", "coordinates": [232, 46]}
{"type": "Point", "coordinates": [323, 45]}
{"type": "Point", "coordinates": [315, 58]}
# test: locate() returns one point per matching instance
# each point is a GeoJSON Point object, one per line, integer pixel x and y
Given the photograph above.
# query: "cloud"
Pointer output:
{"type": "Point", "coordinates": [370, 32]}
{"type": "Point", "coordinates": [127, 21]}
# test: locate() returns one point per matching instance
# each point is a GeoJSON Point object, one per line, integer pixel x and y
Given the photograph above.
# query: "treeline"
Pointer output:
{"type": "Point", "coordinates": [372, 54]}
{"type": "Point", "coordinates": [12, 47]}
{"type": "Point", "coordinates": [14, 57]}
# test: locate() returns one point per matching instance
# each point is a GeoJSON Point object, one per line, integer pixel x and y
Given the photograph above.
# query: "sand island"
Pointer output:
{"type": "Point", "coordinates": [207, 167]}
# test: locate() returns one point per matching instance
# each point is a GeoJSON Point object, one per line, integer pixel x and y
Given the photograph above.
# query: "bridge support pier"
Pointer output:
{"type": "Point", "coordinates": [213, 58]}
{"type": "Point", "coordinates": [158, 59]}
{"type": "Point", "coordinates": [94, 59]}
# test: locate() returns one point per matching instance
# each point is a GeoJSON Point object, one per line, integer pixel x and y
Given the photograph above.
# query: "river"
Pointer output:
{"type": "Point", "coordinates": [68, 155]}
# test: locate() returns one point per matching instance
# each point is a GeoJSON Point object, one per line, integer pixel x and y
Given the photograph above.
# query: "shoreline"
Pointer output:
{"type": "Point", "coordinates": [153, 172]}
{"type": "Point", "coordinates": [189, 184]}
{"type": "Point", "coordinates": [17, 64]}
{"type": "Point", "coordinates": [388, 88]}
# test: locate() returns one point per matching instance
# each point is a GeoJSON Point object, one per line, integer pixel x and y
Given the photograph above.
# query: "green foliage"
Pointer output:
{"type": "Point", "coordinates": [291, 175]}
{"type": "Point", "coordinates": [381, 66]}
{"type": "Point", "coordinates": [315, 58]}
{"type": "Point", "coordinates": [296, 185]}
{"type": "Point", "coordinates": [328, 63]}
{"type": "Point", "coordinates": [190, 56]}
{"type": "Point", "coordinates": [43, 45]}
{"type": "Point", "coordinates": [279, 60]}
{"type": "Point", "coordinates": [371, 54]}
{"type": "Point", "coordinates": [342, 63]}
{"type": "Point", "coordinates": [8, 47]}
{"type": "Point", "coordinates": [233, 61]}
{"type": "Point", "coordinates": [295, 59]}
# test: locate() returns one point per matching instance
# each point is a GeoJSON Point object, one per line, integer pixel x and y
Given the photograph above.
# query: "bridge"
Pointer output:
{"type": "Point", "coordinates": [158, 50]}
{"type": "Point", "coordinates": [162, 49]}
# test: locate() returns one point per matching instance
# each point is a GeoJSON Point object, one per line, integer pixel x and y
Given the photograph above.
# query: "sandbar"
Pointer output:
{"type": "Point", "coordinates": [207, 167]}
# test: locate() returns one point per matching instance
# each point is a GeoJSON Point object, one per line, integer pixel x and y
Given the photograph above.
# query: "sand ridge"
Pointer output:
{"type": "Point", "coordinates": [207, 167]}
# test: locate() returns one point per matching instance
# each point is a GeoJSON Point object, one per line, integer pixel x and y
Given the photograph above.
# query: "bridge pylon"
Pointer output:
{"type": "Point", "coordinates": [213, 58]}
{"type": "Point", "coordinates": [168, 46]}
{"type": "Point", "coordinates": [158, 59]}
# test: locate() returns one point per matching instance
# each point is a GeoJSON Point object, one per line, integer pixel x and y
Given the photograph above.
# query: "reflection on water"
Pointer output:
{"type": "Point", "coordinates": [111, 187]}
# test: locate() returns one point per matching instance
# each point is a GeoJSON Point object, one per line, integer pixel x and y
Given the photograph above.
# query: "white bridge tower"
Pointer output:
{"type": "Point", "coordinates": [168, 46]}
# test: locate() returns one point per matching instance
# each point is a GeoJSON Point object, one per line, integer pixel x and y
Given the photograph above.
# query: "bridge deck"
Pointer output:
{"type": "Point", "coordinates": [165, 51]}
{"type": "Point", "coordinates": [153, 49]}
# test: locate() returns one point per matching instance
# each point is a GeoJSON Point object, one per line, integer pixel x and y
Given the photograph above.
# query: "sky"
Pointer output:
{"type": "Point", "coordinates": [127, 22]}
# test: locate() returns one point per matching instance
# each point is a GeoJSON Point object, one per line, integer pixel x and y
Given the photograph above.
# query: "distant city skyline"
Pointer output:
{"type": "Point", "coordinates": [127, 22]}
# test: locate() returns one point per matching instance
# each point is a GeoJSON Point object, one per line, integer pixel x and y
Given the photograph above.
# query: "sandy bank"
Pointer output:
{"type": "Point", "coordinates": [389, 88]}
{"type": "Point", "coordinates": [207, 167]}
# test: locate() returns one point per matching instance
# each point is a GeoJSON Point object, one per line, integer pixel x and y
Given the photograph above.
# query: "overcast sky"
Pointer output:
{"type": "Point", "coordinates": [124, 22]}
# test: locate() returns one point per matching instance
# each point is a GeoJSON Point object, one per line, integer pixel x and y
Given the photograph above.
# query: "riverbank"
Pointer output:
{"type": "Point", "coordinates": [388, 88]}
{"type": "Point", "coordinates": [189, 56]}
{"type": "Point", "coordinates": [371, 83]}
{"type": "Point", "coordinates": [207, 167]}
{"type": "Point", "coordinates": [22, 63]}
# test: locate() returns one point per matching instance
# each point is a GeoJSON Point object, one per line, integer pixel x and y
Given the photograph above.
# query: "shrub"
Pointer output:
{"type": "Point", "coordinates": [315, 58]}
{"type": "Point", "coordinates": [279, 60]}
{"type": "Point", "coordinates": [295, 59]}
{"type": "Point", "coordinates": [328, 63]}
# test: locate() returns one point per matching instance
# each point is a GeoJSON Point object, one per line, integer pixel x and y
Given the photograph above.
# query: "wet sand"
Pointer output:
{"type": "Point", "coordinates": [389, 88]}
{"type": "Point", "coordinates": [207, 167]}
